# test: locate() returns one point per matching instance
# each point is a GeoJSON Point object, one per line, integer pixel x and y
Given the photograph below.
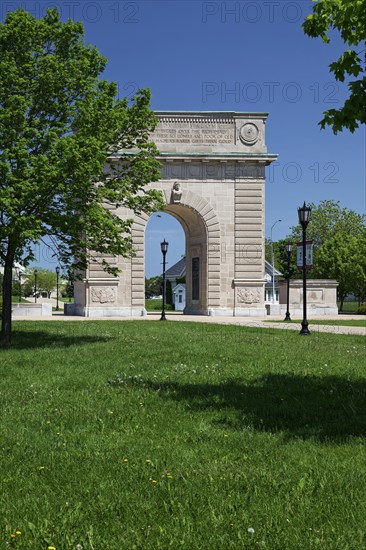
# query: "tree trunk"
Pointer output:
{"type": "Point", "coordinates": [341, 299]}
{"type": "Point", "coordinates": [6, 308]}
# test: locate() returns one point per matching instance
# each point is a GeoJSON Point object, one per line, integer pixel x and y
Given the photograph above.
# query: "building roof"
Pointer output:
{"type": "Point", "coordinates": [268, 269]}
{"type": "Point", "coordinates": [177, 270]}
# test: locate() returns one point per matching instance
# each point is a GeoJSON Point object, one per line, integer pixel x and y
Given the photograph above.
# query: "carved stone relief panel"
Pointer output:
{"type": "Point", "coordinates": [248, 295]}
{"type": "Point", "coordinates": [103, 295]}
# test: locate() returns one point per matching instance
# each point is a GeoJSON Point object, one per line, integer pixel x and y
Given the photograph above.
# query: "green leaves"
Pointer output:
{"type": "Point", "coordinates": [59, 123]}
{"type": "Point", "coordinates": [343, 258]}
{"type": "Point", "coordinates": [349, 18]}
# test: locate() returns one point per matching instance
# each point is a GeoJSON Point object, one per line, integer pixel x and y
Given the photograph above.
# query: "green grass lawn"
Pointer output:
{"type": "Point", "coordinates": [156, 305]}
{"type": "Point", "coordinates": [67, 300]}
{"type": "Point", "coordinates": [349, 307]}
{"type": "Point", "coordinates": [145, 435]}
{"type": "Point", "coordinates": [15, 299]}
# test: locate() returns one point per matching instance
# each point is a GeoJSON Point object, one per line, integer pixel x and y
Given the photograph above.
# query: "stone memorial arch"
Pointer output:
{"type": "Point", "coordinates": [212, 179]}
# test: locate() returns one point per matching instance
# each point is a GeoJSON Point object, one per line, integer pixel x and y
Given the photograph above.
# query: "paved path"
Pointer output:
{"type": "Point", "coordinates": [259, 322]}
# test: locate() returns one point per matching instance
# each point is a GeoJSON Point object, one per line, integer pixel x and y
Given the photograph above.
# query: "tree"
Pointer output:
{"type": "Point", "coordinates": [153, 286]}
{"type": "Point", "coordinates": [169, 293]}
{"type": "Point", "coordinates": [341, 258]}
{"type": "Point", "coordinates": [327, 220]}
{"type": "Point", "coordinates": [62, 129]}
{"type": "Point", "coordinates": [68, 291]}
{"type": "Point", "coordinates": [46, 280]}
{"type": "Point", "coordinates": [349, 18]}
{"type": "Point", "coordinates": [335, 255]}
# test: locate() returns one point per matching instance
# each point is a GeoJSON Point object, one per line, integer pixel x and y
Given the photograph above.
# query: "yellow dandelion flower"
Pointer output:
{"type": "Point", "coordinates": [169, 476]}
{"type": "Point", "coordinates": [148, 461]}
{"type": "Point", "coordinates": [51, 548]}
{"type": "Point", "coordinates": [125, 460]}
{"type": "Point", "coordinates": [18, 533]}
{"type": "Point", "coordinates": [12, 536]}
{"type": "Point", "coordinates": [42, 468]}
{"type": "Point", "coordinates": [153, 481]}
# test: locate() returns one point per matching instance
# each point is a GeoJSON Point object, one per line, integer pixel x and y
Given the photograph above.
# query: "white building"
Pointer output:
{"type": "Point", "coordinates": [179, 297]}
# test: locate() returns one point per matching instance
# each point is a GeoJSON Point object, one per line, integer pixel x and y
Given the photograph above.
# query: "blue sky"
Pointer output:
{"type": "Point", "coordinates": [233, 56]}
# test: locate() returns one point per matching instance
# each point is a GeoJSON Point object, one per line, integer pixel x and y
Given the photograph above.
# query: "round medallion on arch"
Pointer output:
{"type": "Point", "coordinates": [249, 133]}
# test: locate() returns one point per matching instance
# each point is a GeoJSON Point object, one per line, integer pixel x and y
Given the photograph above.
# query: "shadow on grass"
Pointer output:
{"type": "Point", "coordinates": [326, 409]}
{"type": "Point", "coordinates": [37, 339]}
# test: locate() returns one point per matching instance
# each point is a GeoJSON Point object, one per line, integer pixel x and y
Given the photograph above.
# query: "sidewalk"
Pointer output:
{"type": "Point", "coordinates": [258, 322]}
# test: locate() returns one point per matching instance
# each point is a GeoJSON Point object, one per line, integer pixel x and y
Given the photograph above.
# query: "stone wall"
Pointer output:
{"type": "Point", "coordinates": [321, 296]}
{"type": "Point", "coordinates": [31, 310]}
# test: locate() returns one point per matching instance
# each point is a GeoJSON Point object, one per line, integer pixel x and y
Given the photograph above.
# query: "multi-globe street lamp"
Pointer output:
{"type": "Point", "coordinates": [304, 218]}
{"type": "Point", "coordinates": [288, 277]}
{"type": "Point", "coordinates": [57, 284]}
{"type": "Point", "coordinates": [164, 249]}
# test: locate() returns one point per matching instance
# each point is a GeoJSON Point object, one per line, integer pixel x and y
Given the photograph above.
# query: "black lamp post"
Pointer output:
{"type": "Point", "coordinates": [288, 276]}
{"type": "Point", "coordinates": [57, 280]}
{"type": "Point", "coordinates": [20, 285]}
{"type": "Point", "coordinates": [35, 285]}
{"type": "Point", "coordinates": [304, 218]}
{"type": "Point", "coordinates": [164, 249]}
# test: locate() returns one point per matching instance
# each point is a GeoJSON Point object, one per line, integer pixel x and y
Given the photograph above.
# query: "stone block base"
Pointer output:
{"type": "Point", "coordinates": [31, 310]}
{"type": "Point", "coordinates": [104, 312]}
{"type": "Point", "coordinates": [274, 309]}
{"type": "Point", "coordinates": [311, 311]}
{"type": "Point", "coordinates": [220, 312]}
{"type": "Point", "coordinates": [250, 312]}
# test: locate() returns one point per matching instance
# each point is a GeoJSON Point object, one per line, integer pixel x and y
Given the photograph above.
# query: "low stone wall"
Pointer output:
{"type": "Point", "coordinates": [31, 310]}
{"type": "Point", "coordinates": [321, 296]}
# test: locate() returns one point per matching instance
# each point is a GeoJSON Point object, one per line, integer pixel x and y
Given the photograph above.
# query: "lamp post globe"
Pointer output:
{"type": "Point", "coordinates": [164, 249]}
{"type": "Point", "coordinates": [304, 218]}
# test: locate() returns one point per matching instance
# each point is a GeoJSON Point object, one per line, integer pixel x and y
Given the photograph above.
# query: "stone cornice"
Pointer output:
{"type": "Point", "coordinates": [224, 157]}
{"type": "Point", "coordinates": [204, 157]}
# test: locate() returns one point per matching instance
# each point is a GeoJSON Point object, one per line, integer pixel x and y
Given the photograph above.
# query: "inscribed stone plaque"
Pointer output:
{"type": "Point", "coordinates": [194, 133]}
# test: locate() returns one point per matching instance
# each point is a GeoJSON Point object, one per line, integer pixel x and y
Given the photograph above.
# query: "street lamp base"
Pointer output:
{"type": "Point", "coordinates": [304, 328]}
{"type": "Point", "coordinates": [287, 318]}
{"type": "Point", "coordinates": [163, 318]}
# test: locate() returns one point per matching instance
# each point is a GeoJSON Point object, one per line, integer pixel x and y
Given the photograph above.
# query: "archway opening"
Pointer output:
{"type": "Point", "coordinates": [186, 273]}
{"type": "Point", "coordinates": [159, 227]}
